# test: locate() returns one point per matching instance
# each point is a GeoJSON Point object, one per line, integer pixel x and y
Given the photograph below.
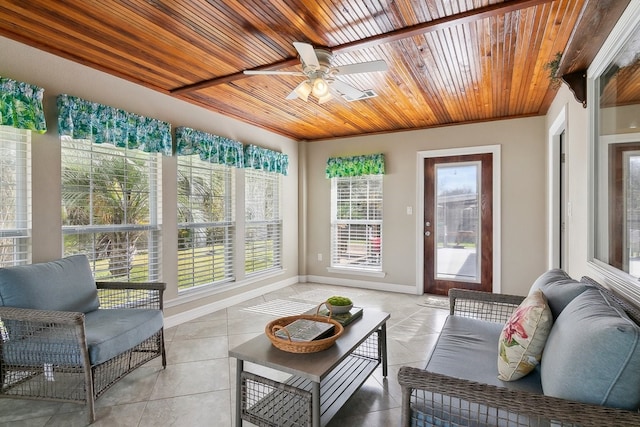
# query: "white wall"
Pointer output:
{"type": "Point", "coordinates": [577, 166]}
{"type": "Point", "coordinates": [57, 75]}
{"type": "Point", "coordinates": [524, 178]}
{"type": "Point", "coordinates": [522, 143]}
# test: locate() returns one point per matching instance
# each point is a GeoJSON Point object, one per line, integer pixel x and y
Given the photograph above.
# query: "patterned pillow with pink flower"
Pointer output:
{"type": "Point", "coordinates": [523, 337]}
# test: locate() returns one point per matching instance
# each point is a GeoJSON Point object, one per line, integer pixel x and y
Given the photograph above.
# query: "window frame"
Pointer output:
{"type": "Point", "coordinates": [263, 223]}
{"type": "Point", "coordinates": [21, 230]}
{"type": "Point", "coordinates": [372, 269]}
{"type": "Point", "coordinates": [150, 225]}
{"type": "Point", "coordinates": [599, 145]}
{"type": "Point", "coordinates": [228, 225]}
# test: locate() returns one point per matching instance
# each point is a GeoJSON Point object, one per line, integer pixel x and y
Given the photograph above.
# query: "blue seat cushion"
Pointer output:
{"type": "Point", "coordinates": [66, 284]}
{"type": "Point", "coordinates": [108, 333]}
{"type": "Point", "coordinates": [468, 348]}
{"type": "Point", "coordinates": [114, 331]}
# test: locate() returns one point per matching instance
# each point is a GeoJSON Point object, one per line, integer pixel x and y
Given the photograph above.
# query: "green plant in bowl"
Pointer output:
{"type": "Point", "coordinates": [338, 304]}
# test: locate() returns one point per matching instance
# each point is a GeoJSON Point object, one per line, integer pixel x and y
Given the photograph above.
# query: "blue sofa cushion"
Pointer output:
{"type": "Point", "coordinates": [108, 333]}
{"type": "Point", "coordinates": [559, 289]}
{"type": "Point", "coordinates": [468, 348]}
{"type": "Point", "coordinates": [592, 354]}
{"type": "Point", "coordinates": [66, 284]}
{"type": "Point", "coordinates": [114, 331]}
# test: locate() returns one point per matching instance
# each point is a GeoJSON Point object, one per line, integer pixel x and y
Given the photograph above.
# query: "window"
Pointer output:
{"type": "Point", "coordinates": [110, 207]}
{"type": "Point", "coordinates": [615, 99]}
{"type": "Point", "coordinates": [263, 221]}
{"type": "Point", "coordinates": [206, 223]}
{"type": "Point", "coordinates": [15, 193]}
{"type": "Point", "coordinates": [356, 222]}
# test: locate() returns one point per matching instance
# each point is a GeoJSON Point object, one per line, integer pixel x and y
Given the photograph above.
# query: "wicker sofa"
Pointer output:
{"type": "Point", "coordinates": [589, 374]}
{"type": "Point", "coordinates": [66, 337]}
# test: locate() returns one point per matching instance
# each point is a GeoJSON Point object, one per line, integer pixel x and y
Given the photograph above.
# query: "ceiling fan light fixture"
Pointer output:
{"type": "Point", "coordinates": [324, 98]}
{"type": "Point", "coordinates": [303, 90]}
{"type": "Point", "coordinates": [320, 88]}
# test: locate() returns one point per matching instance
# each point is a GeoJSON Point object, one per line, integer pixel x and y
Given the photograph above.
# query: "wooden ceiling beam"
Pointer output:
{"type": "Point", "coordinates": [439, 24]}
{"type": "Point", "coordinates": [232, 77]}
{"type": "Point", "coordinates": [414, 30]}
{"type": "Point", "coordinates": [597, 19]}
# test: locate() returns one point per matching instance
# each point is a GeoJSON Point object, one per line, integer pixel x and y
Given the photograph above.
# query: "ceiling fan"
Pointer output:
{"type": "Point", "coordinates": [321, 75]}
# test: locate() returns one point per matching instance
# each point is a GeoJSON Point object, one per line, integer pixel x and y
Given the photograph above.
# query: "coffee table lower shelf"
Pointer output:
{"type": "Point", "coordinates": [266, 402]}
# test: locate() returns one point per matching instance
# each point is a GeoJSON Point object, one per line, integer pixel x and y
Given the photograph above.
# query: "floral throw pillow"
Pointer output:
{"type": "Point", "coordinates": [523, 337]}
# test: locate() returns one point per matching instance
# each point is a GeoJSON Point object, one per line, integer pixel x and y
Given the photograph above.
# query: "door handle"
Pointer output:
{"type": "Point", "coordinates": [427, 233]}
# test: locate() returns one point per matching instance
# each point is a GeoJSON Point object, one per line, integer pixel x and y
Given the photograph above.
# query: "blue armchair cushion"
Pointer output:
{"type": "Point", "coordinates": [108, 333]}
{"type": "Point", "coordinates": [114, 331]}
{"type": "Point", "coordinates": [592, 354]}
{"type": "Point", "coordinates": [66, 284]}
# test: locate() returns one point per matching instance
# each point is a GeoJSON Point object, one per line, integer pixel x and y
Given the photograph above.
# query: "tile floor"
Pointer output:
{"type": "Point", "coordinates": [198, 386]}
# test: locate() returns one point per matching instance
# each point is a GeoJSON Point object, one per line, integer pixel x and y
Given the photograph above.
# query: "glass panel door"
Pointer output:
{"type": "Point", "coordinates": [457, 221]}
{"type": "Point", "coordinates": [458, 226]}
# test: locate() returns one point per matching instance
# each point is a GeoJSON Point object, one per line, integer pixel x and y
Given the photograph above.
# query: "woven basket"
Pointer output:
{"type": "Point", "coordinates": [305, 346]}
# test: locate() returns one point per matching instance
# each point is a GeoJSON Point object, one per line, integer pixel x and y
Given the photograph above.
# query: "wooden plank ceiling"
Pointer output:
{"type": "Point", "coordinates": [450, 61]}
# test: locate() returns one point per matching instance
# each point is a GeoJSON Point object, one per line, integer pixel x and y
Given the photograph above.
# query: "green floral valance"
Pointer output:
{"type": "Point", "coordinates": [211, 148]}
{"type": "Point", "coordinates": [81, 119]}
{"type": "Point", "coordinates": [21, 105]}
{"type": "Point", "coordinates": [264, 159]}
{"type": "Point", "coordinates": [372, 164]}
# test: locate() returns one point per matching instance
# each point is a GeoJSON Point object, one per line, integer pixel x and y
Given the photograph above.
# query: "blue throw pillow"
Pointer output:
{"type": "Point", "coordinates": [592, 354]}
{"type": "Point", "coordinates": [559, 289]}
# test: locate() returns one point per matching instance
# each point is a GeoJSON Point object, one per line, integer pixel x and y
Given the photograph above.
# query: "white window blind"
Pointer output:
{"type": "Point", "coordinates": [15, 196]}
{"type": "Point", "coordinates": [356, 222]}
{"type": "Point", "coordinates": [206, 222]}
{"type": "Point", "coordinates": [263, 221]}
{"type": "Point", "coordinates": [110, 207]}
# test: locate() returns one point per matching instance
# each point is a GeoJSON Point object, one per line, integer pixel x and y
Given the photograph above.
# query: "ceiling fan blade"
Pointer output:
{"type": "Point", "coordinates": [307, 54]}
{"type": "Point", "coordinates": [274, 72]}
{"type": "Point", "coordinates": [347, 89]}
{"type": "Point", "coordinates": [362, 67]}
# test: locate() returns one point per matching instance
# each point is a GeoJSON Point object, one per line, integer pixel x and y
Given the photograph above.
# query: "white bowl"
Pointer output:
{"type": "Point", "coordinates": [339, 309]}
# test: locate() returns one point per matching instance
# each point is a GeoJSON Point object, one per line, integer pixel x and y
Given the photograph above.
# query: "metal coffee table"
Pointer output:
{"type": "Point", "coordinates": [320, 383]}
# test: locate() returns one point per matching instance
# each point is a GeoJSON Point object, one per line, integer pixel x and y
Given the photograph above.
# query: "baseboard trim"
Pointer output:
{"type": "Point", "coordinates": [364, 284]}
{"type": "Point", "coordinates": [177, 319]}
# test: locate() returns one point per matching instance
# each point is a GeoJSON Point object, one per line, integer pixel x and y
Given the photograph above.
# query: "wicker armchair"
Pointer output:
{"type": "Point", "coordinates": [68, 355]}
{"type": "Point", "coordinates": [458, 402]}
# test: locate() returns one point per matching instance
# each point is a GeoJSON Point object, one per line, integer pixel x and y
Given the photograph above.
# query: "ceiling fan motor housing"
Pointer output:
{"type": "Point", "coordinates": [325, 58]}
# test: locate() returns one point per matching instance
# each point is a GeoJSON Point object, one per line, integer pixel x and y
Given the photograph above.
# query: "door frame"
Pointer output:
{"type": "Point", "coordinates": [484, 149]}
{"type": "Point", "coordinates": [558, 126]}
